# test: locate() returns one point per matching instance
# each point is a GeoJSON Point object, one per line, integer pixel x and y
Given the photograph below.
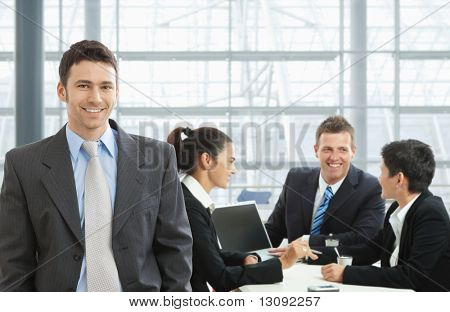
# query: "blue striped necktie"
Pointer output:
{"type": "Point", "coordinates": [320, 213]}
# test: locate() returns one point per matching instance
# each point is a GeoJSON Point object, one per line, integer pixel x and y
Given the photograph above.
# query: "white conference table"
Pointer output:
{"type": "Point", "coordinates": [300, 276]}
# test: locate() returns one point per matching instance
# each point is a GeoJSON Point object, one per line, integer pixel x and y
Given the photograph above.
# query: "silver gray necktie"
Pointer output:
{"type": "Point", "coordinates": [101, 270]}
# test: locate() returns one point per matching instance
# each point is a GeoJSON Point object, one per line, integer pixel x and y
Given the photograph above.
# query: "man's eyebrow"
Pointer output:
{"type": "Point", "coordinates": [83, 81]}
{"type": "Point", "coordinates": [90, 82]}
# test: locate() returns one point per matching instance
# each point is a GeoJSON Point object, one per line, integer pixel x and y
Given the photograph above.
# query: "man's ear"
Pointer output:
{"type": "Point", "coordinates": [316, 150]}
{"type": "Point", "coordinates": [353, 150]}
{"type": "Point", "coordinates": [117, 96]}
{"type": "Point", "coordinates": [61, 91]}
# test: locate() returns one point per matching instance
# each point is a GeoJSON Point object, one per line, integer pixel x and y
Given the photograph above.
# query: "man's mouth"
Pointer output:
{"type": "Point", "coordinates": [338, 165]}
{"type": "Point", "coordinates": [93, 110]}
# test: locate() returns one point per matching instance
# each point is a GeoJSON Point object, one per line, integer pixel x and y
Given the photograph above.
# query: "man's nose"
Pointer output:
{"type": "Point", "coordinates": [94, 96]}
{"type": "Point", "coordinates": [334, 155]}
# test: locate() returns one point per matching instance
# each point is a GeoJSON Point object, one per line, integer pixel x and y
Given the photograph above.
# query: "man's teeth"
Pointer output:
{"type": "Point", "coordinates": [93, 110]}
{"type": "Point", "coordinates": [334, 165]}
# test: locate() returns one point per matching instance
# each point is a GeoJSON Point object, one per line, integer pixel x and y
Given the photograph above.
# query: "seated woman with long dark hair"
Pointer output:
{"type": "Point", "coordinates": [414, 246]}
{"type": "Point", "coordinates": [206, 156]}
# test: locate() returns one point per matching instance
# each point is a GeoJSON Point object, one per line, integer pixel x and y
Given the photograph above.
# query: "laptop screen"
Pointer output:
{"type": "Point", "coordinates": [239, 228]}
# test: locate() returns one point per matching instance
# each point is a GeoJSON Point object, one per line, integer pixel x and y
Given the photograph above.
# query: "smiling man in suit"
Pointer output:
{"type": "Point", "coordinates": [335, 198]}
{"type": "Point", "coordinates": [93, 208]}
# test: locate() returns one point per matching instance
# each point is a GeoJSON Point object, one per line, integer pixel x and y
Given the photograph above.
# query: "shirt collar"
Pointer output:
{"type": "Point", "coordinates": [75, 141]}
{"type": "Point", "coordinates": [400, 212]}
{"type": "Point", "coordinates": [397, 219]}
{"type": "Point", "coordinates": [198, 191]}
{"type": "Point", "coordinates": [323, 185]}
{"type": "Point", "coordinates": [109, 141]}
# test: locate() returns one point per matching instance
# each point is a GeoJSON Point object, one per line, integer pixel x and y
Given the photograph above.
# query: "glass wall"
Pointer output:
{"type": "Point", "coordinates": [266, 72]}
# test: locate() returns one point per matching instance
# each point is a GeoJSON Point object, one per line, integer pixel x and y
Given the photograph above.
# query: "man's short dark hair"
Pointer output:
{"type": "Point", "coordinates": [414, 159]}
{"type": "Point", "coordinates": [86, 50]}
{"type": "Point", "coordinates": [335, 124]}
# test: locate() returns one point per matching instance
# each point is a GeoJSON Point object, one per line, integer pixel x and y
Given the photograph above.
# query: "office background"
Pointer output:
{"type": "Point", "coordinates": [266, 72]}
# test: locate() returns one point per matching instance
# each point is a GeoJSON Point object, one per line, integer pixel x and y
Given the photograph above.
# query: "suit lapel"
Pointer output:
{"type": "Point", "coordinates": [130, 180]}
{"type": "Point", "coordinates": [211, 224]}
{"type": "Point", "coordinates": [345, 191]}
{"type": "Point", "coordinates": [388, 238]}
{"type": "Point", "coordinates": [205, 213]}
{"type": "Point", "coordinates": [60, 182]}
{"type": "Point", "coordinates": [308, 195]}
{"type": "Point", "coordinates": [200, 208]}
{"type": "Point", "coordinates": [406, 222]}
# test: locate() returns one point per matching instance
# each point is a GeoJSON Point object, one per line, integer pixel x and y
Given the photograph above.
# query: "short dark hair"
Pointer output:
{"type": "Point", "coordinates": [414, 159]}
{"type": "Point", "coordinates": [335, 124]}
{"type": "Point", "coordinates": [86, 50]}
{"type": "Point", "coordinates": [196, 142]}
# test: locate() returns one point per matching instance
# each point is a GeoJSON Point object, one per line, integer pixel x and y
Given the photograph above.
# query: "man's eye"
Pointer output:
{"type": "Point", "coordinates": [82, 86]}
{"type": "Point", "coordinates": [107, 87]}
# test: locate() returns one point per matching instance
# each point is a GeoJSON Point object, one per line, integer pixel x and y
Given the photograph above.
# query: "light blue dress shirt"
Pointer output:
{"type": "Point", "coordinates": [108, 152]}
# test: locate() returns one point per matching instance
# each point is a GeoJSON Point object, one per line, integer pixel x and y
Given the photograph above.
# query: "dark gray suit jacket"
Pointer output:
{"type": "Point", "coordinates": [355, 213]}
{"type": "Point", "coordinates": [41, 243]}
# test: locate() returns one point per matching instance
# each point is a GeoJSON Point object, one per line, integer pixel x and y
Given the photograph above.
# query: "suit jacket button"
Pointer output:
{"type": "Point", "coordinates": [76, 257]}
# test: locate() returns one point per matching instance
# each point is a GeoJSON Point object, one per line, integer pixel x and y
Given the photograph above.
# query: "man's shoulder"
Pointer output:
{"type": "Point", "coordinates": [363, 178]}
{"type": "Point", "coordinates": [303, 171]}
{"type": "Point", "coordinates": [35, 148]}
{"type": "Point", "coordinates": [299, 176]}
{"type": "Point", "coordinates": [144, 143]}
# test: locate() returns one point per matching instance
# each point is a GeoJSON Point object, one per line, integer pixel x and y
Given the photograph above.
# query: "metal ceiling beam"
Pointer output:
{"type": "Point", "coordinates": [8, 56]}
{"type": "Point", "coordinates": [257, 110]}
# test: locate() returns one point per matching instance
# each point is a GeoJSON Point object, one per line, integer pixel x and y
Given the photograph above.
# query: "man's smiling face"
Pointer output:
{"type": "Point", "coordinates": [334, 151]}
{"type": "Point", "coordinates": [91, 93]}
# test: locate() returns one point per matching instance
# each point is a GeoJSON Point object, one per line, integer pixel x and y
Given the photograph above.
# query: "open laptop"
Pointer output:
{"type": "Point", "coordinates": [239, 228]}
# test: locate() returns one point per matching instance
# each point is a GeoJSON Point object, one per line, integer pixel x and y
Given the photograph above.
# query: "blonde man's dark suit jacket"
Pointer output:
{"type": "Point", "coordinates": [41, 243]}
{"type": "Point", "coordinates": [354, 215]}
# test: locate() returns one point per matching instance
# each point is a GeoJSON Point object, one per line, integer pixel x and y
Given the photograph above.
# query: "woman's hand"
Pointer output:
{"type": "Point", "coordinates": [277, 252]}
{"type": "Point", "coordinates": [294, 251]}
{"type": "Point", "coordinates": [333, 272]}
{"type": "Point", "coordinates": [251, 259]}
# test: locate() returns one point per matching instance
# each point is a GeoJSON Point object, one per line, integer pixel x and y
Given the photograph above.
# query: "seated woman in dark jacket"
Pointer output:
{"type": "Point", "coordinates": [206, 156]}
{"type": "Point", "coordinates": [414, 246]}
